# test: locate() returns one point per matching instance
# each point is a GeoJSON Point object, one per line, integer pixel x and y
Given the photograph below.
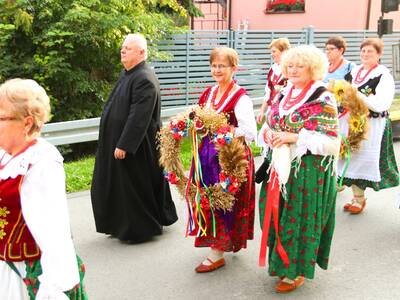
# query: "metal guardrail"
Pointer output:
{"type": "Point", "coordinates": [79, 131]}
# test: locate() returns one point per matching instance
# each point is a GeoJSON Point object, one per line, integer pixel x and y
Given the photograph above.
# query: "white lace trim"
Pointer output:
{"type": "Point", "coordinates": [19, 165]}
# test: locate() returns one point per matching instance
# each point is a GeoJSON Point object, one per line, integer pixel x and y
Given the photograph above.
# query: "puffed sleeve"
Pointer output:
{"type": "Point", "coordinates": [45, 210]}
{"type": "Point", "coordinates": [246, 121]}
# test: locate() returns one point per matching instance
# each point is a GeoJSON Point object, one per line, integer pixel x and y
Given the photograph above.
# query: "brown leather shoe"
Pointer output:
{"type": "Point", "coordinates": [202, 268]}
{"type": "Point", "coordinates": [347, 206]}
{"type": "Point", "coordinates": [285, 287]}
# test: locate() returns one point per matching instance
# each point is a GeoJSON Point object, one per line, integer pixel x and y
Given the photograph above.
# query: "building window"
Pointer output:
{"type": "Point", "coordinates": [285, 6]}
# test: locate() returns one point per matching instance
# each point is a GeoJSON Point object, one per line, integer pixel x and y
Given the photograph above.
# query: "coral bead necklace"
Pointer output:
{"type": "Point", "coordinates": [359, 79]}
{"type": "Point", "coordinates": [290, 101]}
{"type": "Point", "coordinates": [223, 97]}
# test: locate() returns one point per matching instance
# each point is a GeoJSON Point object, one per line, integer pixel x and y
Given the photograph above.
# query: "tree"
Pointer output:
{"type": "Point", "coordinates": [71, 47]}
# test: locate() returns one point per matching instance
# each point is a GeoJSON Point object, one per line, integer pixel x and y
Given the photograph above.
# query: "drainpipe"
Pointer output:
{"type": "Point", "coordinates": [229, 14]}
{"type": "Point", "coordinates": [368, 15]}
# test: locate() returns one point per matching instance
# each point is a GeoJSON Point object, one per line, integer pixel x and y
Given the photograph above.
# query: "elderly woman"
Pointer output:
{"type": "Point", "coordinates": [338, 65]}
{"type": "Point", "coordinates": [374, 164]}
{"type": "Point", "coordinates": [233, 228]}
{"type": "Point", "coordinates": [302, 131]}
{"type": "Point", "coordinates": [38, 259]}
{"type": "Point", "coordinates": [275, 80]}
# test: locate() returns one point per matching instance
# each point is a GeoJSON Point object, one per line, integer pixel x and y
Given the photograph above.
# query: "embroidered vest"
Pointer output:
{"type": "Point", "coordinates": [229, 107]}
{"type": "Point", "coordinates": [282, 82]}
{"type": "Point", "coordinates": [16, 241]}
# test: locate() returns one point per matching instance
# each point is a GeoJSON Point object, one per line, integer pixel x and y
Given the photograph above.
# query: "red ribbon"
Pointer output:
{"type": "Point", "coordinates": [272, 210]}
{"type": "Point", "coordinates": [342, 113]}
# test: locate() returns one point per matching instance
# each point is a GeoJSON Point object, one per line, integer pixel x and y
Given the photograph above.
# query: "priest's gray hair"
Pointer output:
{"type": "Point", "coordinates": [139, 40]}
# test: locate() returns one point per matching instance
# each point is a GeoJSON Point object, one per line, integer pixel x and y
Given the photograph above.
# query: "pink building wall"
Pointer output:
{"type": "Point", "coordinates": [376, 13]}
{"type": "Point", "coordinates": [322, 14]}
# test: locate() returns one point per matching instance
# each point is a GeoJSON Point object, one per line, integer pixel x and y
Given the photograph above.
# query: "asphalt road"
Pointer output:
{"type": "Point", "coordinates": [365, 259]}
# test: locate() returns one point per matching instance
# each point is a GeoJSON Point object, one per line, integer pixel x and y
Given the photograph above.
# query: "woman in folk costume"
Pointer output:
{"type": "Point", "coordinates": [37, 259]}
{"type": "Point", "coordinates": [275, 79]}
{"type": "Point", "coordinates": [297, 201]}
{"type": "Point", "coordinates": [338, 65]}
{"type": "Point", "coordinates": [374, 164]}
{"type": "Point", "coordinates": [233, 228]}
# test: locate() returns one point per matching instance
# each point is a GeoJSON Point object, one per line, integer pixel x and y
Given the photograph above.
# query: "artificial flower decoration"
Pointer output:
{"type": "Point", "coordinates": [171, 177]}
{"type": "Point", "coordinates": [179, 127]}
{"type": "Point", "coordinates": [223, 136]}
{"type": "Point", "coordinates": [194, 124]}
{"type": "Point", "coordinates": [228, 183]}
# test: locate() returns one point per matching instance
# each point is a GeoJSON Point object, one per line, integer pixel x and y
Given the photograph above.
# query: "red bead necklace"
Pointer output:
{"type": "Point", "coordinates": [290, 101]}
{"type": "Point", "coordinates": [224, 96]}
{"type": "Point", "coordinates": [18, 153]}
{"type": "Point", "coordinates": [360, 79]}
{"type": "Point", "coordinates": [333, 68]}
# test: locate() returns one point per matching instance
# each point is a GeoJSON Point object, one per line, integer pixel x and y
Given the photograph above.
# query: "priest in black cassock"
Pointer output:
{"type": "Point", "coordinates": [131, 199]}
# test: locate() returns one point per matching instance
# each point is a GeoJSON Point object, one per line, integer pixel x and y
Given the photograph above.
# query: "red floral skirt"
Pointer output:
{"type": "Point", "coordinates": [233, 228]}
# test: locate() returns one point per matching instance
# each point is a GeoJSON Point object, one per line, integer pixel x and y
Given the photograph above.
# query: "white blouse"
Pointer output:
{"type": "Point", "coordinates": [244, 115]}
{"type": "Point", "coordinates": [45, 210]}
{"type": "Point", "coordinates": [364, 163]}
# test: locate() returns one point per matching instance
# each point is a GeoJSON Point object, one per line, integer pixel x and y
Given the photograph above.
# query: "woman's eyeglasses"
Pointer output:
{"type": "Point", "coordinates": [330, 48]}
{"type": "Point", "coordinates": [219, 67]}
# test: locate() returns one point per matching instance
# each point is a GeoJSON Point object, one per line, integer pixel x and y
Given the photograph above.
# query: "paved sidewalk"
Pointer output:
{"type": "Point", "coordinates": [365, 259]}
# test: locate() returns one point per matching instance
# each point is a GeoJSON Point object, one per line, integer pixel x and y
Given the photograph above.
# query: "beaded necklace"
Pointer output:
{"type": "Point", "coordinates": [223, 97]}
{"type": "Point", "coordinates": [290, 101]}
{"type": "Point", "coordinates": [359, 79]}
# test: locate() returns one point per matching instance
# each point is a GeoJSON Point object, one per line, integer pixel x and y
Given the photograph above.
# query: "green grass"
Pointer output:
{"type": "Point", "coordinates": [79, 173]}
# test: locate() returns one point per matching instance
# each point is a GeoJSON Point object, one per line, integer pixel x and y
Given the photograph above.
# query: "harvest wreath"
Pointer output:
{"type": "Point", "coordinates": [196, 124]}
{"type": "Point", "coordinates": [348, 100]}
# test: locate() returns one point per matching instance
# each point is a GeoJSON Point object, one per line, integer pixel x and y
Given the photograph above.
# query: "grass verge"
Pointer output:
{"type": "Point", "coordinates": [79, 173]}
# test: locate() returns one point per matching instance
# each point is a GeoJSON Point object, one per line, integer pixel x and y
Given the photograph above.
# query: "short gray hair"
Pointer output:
{"type": "Point", "coordinates": [139, 40]}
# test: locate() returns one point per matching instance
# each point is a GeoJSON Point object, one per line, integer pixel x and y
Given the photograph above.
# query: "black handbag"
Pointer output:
{"type": "Point", "coordinates": [261, 173]}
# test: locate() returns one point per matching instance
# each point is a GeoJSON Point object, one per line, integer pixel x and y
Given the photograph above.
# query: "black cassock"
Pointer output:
{"type": "Point", "coordinates": [131, 199]}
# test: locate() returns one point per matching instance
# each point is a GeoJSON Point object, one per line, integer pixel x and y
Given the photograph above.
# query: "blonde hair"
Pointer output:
{"type": "Point", "coordinates": [374, 42]}
{"type": "Point", "coordinates": [28, 98]}
{"type": "Point", "coordinates": [231, 55]}
{"type": "Point", "coordinates": [282, 44]}
{"type": "Point", "coordinates": [310, 57]}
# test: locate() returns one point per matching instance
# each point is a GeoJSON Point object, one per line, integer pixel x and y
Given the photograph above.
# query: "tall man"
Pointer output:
{"type": "Point", "coordinates": [130, 198]}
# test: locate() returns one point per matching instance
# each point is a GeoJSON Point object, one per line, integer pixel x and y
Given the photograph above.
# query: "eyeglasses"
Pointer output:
{"type": "Point", "coordinates": [330, 48]}
{"type": "Point", "coordinates": [219, 67]}
{"type": "Point", "coordinates": [8, 118]}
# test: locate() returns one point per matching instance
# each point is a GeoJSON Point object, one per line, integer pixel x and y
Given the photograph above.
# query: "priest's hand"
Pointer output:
{"type": "Point", "coordinates": [119, 153]}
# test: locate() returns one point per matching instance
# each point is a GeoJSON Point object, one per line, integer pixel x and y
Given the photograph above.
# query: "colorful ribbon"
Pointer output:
{"type": "Point", "coordinates": [196, 175]}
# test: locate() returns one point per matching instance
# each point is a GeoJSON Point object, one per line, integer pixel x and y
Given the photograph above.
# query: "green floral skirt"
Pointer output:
{"type": "Point", "coordinates": [387, 166]}
{"type": "Point", "coordinates": [34, 270]}
{"type": "Point", "coordinates": [306, 218]}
